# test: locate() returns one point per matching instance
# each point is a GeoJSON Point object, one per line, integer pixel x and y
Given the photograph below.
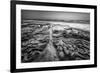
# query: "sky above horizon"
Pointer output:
{"type": "Point", "coordinates": [54, 15]}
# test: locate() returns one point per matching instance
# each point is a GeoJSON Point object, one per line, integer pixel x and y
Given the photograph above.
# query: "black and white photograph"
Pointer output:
{"type": "Point", "coordinates": [52, 36]}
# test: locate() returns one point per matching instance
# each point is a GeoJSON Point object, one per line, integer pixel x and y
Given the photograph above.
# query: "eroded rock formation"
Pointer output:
{"type": "Point", "coordinates": [39, 45]}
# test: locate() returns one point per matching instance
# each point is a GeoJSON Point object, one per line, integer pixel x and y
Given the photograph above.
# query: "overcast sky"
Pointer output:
{"type": "Point", "coordinates": [34, 14]}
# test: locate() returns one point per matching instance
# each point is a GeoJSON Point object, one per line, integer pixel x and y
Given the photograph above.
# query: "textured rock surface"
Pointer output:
{"type": "Point", "coordinates": [65, 44]}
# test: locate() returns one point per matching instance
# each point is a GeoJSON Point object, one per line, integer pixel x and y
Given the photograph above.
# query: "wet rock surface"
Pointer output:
{"type": "Point", "coordinates": [67, 44]}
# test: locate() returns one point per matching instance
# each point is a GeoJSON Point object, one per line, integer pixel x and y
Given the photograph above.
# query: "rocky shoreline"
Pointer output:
{"type": "Point", "coordinates": [39, 45]}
